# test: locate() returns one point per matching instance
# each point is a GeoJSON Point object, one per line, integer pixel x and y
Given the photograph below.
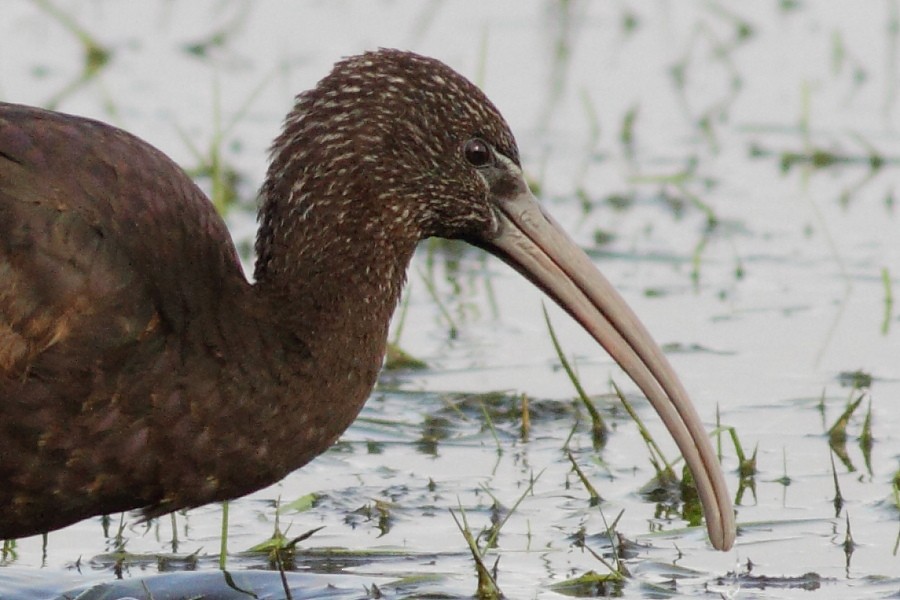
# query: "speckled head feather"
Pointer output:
{"type": "Point", "coordinates": [390, 121]}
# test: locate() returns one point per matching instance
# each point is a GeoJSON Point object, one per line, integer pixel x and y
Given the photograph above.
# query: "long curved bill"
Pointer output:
{"type": "Point", "coordinates": [534, 244]}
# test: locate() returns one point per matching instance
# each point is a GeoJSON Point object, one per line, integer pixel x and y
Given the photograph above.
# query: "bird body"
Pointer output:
{"type": "Point", "coordinates": [139, 369]}
{"type": "Point", "coordinates": [126, 326]}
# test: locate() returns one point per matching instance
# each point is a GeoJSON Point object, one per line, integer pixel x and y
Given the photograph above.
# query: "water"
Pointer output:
{"type": "Point", "coordinates": [762, 313]}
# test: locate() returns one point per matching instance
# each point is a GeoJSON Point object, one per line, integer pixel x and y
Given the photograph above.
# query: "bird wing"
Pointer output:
{"type": "Point", "coordinates": [108, 251]}
{"type": "Point", "coordinates": [100, 240]}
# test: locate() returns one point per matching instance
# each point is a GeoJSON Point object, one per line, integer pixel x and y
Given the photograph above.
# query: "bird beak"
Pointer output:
{"type": "Point", "coordinates": [534, 244]}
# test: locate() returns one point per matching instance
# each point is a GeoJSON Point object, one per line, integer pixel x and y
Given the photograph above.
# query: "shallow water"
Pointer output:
{"type": "Point", "coordinates": [761, 313]}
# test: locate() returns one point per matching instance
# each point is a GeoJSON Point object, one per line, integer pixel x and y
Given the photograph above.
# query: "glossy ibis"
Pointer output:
{"type": "Point", "coordinates": [139, 369]}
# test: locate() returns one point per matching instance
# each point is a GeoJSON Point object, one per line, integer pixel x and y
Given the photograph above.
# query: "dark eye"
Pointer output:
{"type": "Point", "coordinates": [477, 152]}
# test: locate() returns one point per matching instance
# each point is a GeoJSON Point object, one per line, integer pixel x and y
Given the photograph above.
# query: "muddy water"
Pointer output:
{"type": "Point", "coordinates": [733, 171]}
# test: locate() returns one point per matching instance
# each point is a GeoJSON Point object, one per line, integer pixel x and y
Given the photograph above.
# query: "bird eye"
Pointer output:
{"type": "Point", "coordinates": [477, 152]}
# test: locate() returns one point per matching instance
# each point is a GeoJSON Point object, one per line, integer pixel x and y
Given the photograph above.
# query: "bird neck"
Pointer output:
{"type": "Point", "coordinates": [328, 280]}
{"type": "Point", "coordinates": [328, 287]}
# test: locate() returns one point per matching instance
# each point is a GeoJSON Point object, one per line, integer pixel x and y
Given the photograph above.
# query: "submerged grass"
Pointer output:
{"type": "Point", "coordinates": [487, 578]}
{"type": "Point", "coordinates": [8, 553]}
{"type": "Point", "coordinates": [396, 358]}
{"type": "Point", "coordinates": [595, 498]}
{"type": "Point", "coordinates": [785, 479]}
{"type": "Point", "coordinates": [220, 37]}
{"type": "Point", "coordinates": [223, 538]}
{"type": "Point", "coordinates": [664, 472]}
{"type": "Point", "coordinates": [490, 423]}
{"type": "Point", "coordinates": [747, 469]}
{"type": "Point", "coordinates": [599, 430]}
{"type": "Point", "coordinates": [837, 433]}
{"type": "Point", "coordinates": [591, 149]}
{"type": "Point", "coordinates": [838, 499]}
{"type": "Point", "coordinates": [428, 280]}
{"type": "Point", "coordinates": [487, 585]}
{"type": "Point", "coordinates": [224, 179]}
{"type": "Point", "coordinates": [866, 439]}
{"type": "Point", "coordinates": [888, 301]}
{"type": "Point", "coordinates": [95, 56]}
{"type": "Point", "coordinates": [592, 584]}
{"type": "Point", "coordinates": [525, 426]}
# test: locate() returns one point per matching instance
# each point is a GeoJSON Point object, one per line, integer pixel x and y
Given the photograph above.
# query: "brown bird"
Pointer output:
{"type": "Point", "coordinates": [139, 369]}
